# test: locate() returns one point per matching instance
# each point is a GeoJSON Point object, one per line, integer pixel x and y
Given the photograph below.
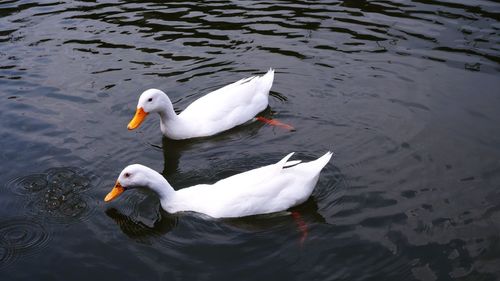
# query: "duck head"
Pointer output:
{"type": "Point", "coordinates": [132, 176]}
{"type": "Point", "coordinates": [150, 101]}
{"type": "Point", "coordinates": [136, 175]}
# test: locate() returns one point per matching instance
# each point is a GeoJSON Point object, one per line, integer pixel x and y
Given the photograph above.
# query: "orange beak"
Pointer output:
{"type": "Point", "coordinates": [117, 190]}
{"type": "Point", "coordinates": [139, 116]}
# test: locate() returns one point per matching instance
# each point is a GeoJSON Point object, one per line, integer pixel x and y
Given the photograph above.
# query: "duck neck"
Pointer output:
{"type": "Point", "coordinates": [160, 186]}
{"type": "Point", "coordinates": [169, 120]}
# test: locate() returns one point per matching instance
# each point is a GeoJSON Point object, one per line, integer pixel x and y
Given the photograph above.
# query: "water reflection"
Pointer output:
{"type": "Point", "coordinates": [298, 218]}
{"type": "Point", "coordinates": [139, 231]}
{"type": "Point", "coordinates": [174, 149]}
{"type": "Point", "coordinates": [404, 92]}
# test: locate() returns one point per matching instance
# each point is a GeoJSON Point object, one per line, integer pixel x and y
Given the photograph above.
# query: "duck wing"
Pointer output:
{"type": "Point", "coordinates": [254, 177]}
{"type": "Point", "coordinates": [233, 104]}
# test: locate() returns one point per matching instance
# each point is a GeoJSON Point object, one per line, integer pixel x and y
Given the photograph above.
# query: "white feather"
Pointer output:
{"type": "Point", "coordinates": [267, 189]}
{"type": "Point", "coordinates": [213, 113]}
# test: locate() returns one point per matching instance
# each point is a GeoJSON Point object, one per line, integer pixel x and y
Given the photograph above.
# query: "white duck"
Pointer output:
{"type": "Point", "coordinates": [268, 189]}
{"type": "Point", "coordinates": [213, 113]}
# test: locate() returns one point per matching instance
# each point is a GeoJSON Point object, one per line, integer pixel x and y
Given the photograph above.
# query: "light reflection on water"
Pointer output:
{"type": "Point", "coordinates": [404, 92]}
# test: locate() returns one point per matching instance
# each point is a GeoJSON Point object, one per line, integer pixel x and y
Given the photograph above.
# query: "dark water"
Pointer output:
{"type": "Point", "coordinates": [406, 93]}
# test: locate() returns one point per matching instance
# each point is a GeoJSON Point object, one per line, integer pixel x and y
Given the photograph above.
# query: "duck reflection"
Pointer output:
{"type": "Point", "coordinates": [302, 216]}
{"type": "Point", "coordinates": [140, 231]}
{"type": "Point", "coordinates": [299, 217]}
{"type": "Point", "coordinates": [173, 149]}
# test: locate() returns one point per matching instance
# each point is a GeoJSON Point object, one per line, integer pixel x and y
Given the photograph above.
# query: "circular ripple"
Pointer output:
{"type": "Point", "coordinates": [28, 184]}
{"type": "Point", "coordinates": [59, 207]}
{"type": "Point", "coordinates": [68, 179]}
{"type": "Point", "coordinates": [22, 236]}
{"type": "Point", "coordinates": [6, 256]}
{"type": "Point", "coordinates": [57, 195]}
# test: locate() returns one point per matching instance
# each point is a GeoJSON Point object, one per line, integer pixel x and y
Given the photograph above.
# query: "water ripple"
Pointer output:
{"type": "Point", "coordinates": [7, 256]}
{"type": "Point", "coordinates": [404, 91]}
{"type": "Point", "coordinates": [56, 195]}
{"type": "Point", "coordinates": [20, 237]}
{"type": "Point", "coordinates": [28, 184]}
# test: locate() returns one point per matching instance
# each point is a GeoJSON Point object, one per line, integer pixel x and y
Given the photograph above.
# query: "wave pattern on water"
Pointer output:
{"type": "Point", "coordinates": [56, 195]}
{"type": "Point", "coordinates": [188, 39]}
{"type": "Point", "coordinates": [20, 237]}
{"type": "Point", "coordinates": [405, 92]}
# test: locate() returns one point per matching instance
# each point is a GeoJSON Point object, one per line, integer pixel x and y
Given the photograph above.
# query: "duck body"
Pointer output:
{"type": "Point", "coordinates": [264, 190]}
{"type": "Point", "coordinates": [211, 114]}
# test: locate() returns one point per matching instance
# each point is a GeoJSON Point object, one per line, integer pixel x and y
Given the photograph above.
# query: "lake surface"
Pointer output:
{"type": "Point", "coordinates": [406, 93]}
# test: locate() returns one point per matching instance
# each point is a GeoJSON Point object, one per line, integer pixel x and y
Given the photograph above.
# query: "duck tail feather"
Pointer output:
{"type": "Point", "coordinates": [323, 160]}
{"type": "Point", "coordinates": [282, 162]}
{"type": "Point", "coordinates": [266, 81]}
{"type": "Point", "coordinates": [292, 163]}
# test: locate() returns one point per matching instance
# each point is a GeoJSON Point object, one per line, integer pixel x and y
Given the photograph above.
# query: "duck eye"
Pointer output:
{"type": "Point", "coordinates": [150, 99]}
{"type": "Point", "coordinates": [127, 175]}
